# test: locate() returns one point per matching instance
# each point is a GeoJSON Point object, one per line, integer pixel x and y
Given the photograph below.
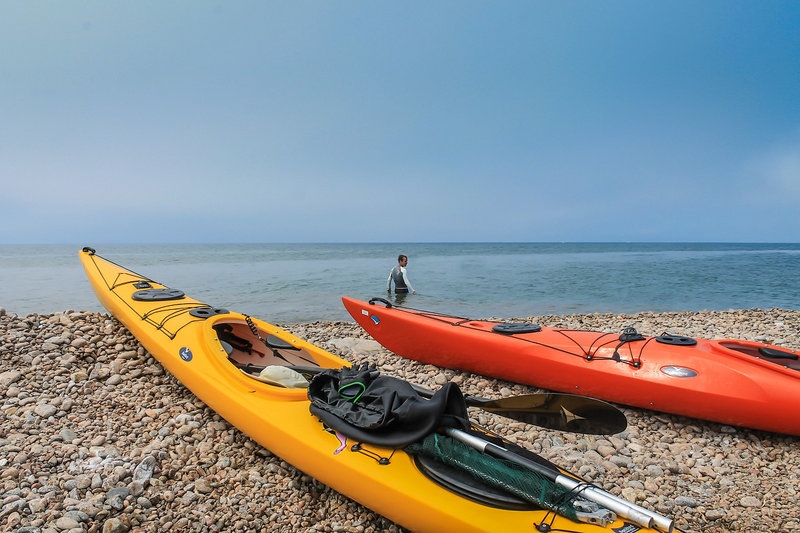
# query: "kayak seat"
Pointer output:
{"type": "Point", "coordinates": [227, 347]}
{"type": "Point", "coordinates": [783, 358]}
{"type": "Point", "coordinates": [277, 343]}
{"type": "Point", "coordinates": [777, 354]}
{"type": "Point", "coordinates": [244, 348]}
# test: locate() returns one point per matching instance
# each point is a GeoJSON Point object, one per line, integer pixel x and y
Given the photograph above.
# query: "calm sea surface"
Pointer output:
{"type": "Point", "coordinates": [290, 283]}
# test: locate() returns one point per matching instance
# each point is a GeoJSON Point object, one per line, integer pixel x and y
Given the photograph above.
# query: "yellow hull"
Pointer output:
{"type": "Point", "coordinates": [279, 419]}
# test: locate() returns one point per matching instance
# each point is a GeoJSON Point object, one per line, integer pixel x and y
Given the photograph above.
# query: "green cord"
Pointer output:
{"type": "Point", "coordinates": [356, 397]}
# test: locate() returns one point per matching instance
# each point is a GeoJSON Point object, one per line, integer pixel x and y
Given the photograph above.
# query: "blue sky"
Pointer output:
{"type": "Point", "coordinates": [410, 121]}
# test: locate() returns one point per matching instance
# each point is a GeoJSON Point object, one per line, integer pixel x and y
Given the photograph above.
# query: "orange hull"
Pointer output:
{"type": "Point", "coordinates": [734, 382]}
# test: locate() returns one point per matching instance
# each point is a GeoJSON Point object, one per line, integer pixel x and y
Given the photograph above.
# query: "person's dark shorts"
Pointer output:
{"type": "Point", "coordinates": [401, 291]}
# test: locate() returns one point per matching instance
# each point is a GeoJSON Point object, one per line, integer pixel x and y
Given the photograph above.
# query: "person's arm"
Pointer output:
{"type": "Point", "coordinates": [408, 283]}
{"type": "Point", "coordinates": [389, 282]}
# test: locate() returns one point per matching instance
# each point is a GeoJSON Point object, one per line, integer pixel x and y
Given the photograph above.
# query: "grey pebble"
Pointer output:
{"type": "Point", "coordinates": [685, 501]}
{"type": "Point", "coordinates": [114, 525]}
{"type": "Point", "coordinates": [750, 501]}
{"type": "Point", "coordinates": [144, 470]}
{"type": "Point", "coordinates": [101, 438]}
{"type": "Point", "coordinates": [45, 410]}
{"type": "Point", "coordinates": [715, 514]}
{"type": "Point", "coordinates": [78, 516]}
{"type": "Point", "coordinates": [67, 435]}
{"type": "Point", "coordinates": [66, 523]}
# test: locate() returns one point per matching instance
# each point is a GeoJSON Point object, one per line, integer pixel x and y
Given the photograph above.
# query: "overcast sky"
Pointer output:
{"type": "Point", "coordinates": [192, 121]}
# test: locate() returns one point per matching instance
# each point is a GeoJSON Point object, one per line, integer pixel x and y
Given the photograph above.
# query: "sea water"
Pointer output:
{"type": "Point", "coordinates": [292, 283]}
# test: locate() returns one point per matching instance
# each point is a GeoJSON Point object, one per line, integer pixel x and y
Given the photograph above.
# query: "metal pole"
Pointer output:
{"type": "Point", "coordinates": [639, 515]}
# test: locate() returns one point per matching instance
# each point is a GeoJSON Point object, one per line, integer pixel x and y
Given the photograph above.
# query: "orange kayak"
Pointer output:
{"type": "Point", "coordinates": [734, 382]}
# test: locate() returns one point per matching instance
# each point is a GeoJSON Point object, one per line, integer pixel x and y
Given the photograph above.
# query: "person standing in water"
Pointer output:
{"type": "Point", "coordinates": [400, 278]}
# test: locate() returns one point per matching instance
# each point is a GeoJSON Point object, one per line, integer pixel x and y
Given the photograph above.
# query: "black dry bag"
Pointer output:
{"type": "Point", "coordinates": [363, 405]}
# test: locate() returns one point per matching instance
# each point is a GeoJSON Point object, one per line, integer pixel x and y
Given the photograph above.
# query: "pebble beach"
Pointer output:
{"type": "Point", "coordinates": [96, 436]}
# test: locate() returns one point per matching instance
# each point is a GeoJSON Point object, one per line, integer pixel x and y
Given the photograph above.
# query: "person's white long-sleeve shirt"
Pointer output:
{"type": "Point", "coordinates": [400, 277]}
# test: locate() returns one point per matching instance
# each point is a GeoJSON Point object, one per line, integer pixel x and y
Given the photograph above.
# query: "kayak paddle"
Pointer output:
{"type": "Point", "coordinates": [550, 410]}
{"type": "Point", "coordinates": [564, 412]}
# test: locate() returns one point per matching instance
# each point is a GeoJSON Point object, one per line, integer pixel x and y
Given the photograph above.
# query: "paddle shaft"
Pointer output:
{"type": "Point", "coordinates": [471, 401]}
{"type": "Point", "coordinates": [600, 419]}
{"type": "Point", "coordinates": [641, 516]}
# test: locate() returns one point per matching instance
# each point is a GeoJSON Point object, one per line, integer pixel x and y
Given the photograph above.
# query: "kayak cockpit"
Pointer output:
{"type": "Point", "coordinates": [263, 356]}
{"type": "Point", "coordinates": [785, 357]}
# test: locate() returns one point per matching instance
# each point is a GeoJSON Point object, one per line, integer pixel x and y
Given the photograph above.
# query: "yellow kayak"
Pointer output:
{"type": "Point", "coordinates": [209, 349]}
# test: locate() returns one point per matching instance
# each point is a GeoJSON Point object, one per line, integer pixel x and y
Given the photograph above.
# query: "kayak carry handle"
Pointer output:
{"type": "Point", "coordinates": [382, 300]}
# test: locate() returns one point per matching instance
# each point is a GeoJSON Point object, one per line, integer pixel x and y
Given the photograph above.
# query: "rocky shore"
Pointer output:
{"type": "Point", "coordinates": [96, 436]}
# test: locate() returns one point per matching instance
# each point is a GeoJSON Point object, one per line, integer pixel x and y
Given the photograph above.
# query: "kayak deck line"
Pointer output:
{"type": "Point", "coordinates": [173, 310]}
{"type": "Point", "coordinates": [588, 354]}
{"type": "Point", "coordinates": [786, 357]}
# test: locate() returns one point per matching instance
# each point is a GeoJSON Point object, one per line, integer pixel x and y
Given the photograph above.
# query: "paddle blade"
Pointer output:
{"type": "Point", "coordinates": [564, 412]}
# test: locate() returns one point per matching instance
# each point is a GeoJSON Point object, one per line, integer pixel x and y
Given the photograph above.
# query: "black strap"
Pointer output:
{"type": "Point", "coordinates": [225, 333]}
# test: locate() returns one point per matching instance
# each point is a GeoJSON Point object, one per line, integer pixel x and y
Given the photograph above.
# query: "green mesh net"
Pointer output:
{"type": "Point", "coordinates": [498, 473]}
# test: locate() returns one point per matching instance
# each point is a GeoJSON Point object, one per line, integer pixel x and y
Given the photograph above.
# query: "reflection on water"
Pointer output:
{"type": "Point", "coordinates": [400, 298]}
